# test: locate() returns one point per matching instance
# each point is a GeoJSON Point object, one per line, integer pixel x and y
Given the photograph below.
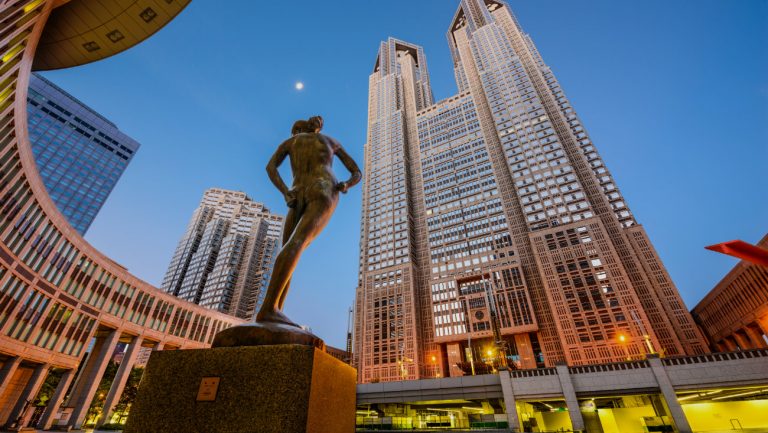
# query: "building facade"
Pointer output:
{"type": "Point", "coordinates": [224, 259]}
{"type": "Point", "coordinates": [683, 394]}
{"type": "Point", "coordinates": [491, 226]}
{"type": "Point", "coordinates": [65, 306]}
{"type": "Point", "coordinates": [734, 315]}
{"type": "Point", "coordinates": [80, 154]}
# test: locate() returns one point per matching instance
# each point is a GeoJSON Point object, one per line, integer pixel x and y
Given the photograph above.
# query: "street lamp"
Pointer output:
{"type": "Point", "coordinates": [490, 352]}
{"type": "Point", "coordinates": [434, 366]}
{"type": "Point", "coordinates": [623, 341]}
{"type": "Point", "coordinates": [403, 367]}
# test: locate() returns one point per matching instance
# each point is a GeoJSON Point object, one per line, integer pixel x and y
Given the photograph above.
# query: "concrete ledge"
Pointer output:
{"type": "Point", "coordinates": [262, 389]}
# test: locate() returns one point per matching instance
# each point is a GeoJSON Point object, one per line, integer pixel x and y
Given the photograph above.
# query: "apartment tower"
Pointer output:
{"type": "Point", "coordinates": [491, 225]}
{"type": "Point", "coordinates": [225, 258]}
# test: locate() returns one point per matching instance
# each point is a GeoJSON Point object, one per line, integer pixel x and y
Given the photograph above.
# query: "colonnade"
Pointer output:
{"type": "Point", "coordinates": [753, 335]}
{"type": "Point", "coordinates": [21, 380]}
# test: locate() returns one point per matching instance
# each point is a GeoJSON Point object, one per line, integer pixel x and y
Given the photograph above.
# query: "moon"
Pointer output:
{"type": "Point", "coordinates": [299, 85]}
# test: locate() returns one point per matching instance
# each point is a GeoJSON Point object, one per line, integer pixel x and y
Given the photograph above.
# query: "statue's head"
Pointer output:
{"type": "Point", "coordinates": [316, 123]}
{"type": "Point", "coordinates": [300, 126]}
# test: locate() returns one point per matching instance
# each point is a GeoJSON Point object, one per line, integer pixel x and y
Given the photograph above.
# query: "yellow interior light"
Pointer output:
{"type": "Point", "coordinates": [32, 6]}
{"type": "Point", "coordinates": [15, 50]}
{"type": "Point", "coordinates": [5, 93]}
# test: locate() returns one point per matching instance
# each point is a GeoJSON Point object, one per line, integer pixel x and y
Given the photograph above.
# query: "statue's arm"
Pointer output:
{"type": "Point", "coordinates": [351, 166]}
{"type": "Point", "coordinates": [274, 174]}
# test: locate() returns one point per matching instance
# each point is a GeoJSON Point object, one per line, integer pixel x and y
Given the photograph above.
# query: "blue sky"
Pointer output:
{"type": "Point", "coordinates": [674, 95]}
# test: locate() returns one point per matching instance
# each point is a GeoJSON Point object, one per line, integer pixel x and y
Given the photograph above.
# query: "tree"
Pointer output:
{"type": "Point", "coordinates": [48, 388]}
{"type": "Point", "coordinates": [94, 412]}
{"type": "Point", "coordinates": [129, 393]}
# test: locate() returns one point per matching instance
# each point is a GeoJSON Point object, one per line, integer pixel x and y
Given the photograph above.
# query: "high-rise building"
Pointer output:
{"type": "Point", "coordinates": [225, 258]}
{"type": "Point", "coordinates": [80, 155]}
{"type": "Point", "coordinates": [491, 225]}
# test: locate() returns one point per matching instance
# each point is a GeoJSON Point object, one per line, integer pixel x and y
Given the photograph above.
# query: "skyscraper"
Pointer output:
{"type": "Point", "coordinates": [225, 258]}
{"type": "Point", "coordinates": [80, 154]}
{"type": "Point", "coordinates": [490, 223]}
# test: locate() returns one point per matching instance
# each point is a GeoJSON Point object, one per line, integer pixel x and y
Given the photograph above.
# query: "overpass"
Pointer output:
{"type": "Point", "coordinates": [678, 388]}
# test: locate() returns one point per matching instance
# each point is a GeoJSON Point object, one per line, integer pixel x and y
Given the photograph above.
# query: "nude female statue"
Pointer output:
{"type": "Point", "coordinates": [311, 201]}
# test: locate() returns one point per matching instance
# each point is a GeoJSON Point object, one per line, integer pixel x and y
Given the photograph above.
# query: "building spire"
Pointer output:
{"type": "Point", "coordinates": [477, 13]}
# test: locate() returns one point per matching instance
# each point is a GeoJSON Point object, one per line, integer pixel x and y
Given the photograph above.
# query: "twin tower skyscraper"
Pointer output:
{"type": "Point", "coordinates": [490, 225]}
{"type": "Point", "coordinates": [490, 220]}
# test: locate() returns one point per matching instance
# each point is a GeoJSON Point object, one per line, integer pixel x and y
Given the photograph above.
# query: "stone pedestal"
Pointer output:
{"type": "Point", "coordinates": [261, 389]}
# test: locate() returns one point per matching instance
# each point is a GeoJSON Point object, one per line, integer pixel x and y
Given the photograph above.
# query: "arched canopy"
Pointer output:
{"type": "Point", "coordinates": [84, 31]}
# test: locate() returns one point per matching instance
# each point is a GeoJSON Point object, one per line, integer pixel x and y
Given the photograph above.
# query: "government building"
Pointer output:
{"type": "Point", "coordinates": [504, 283]}
{"type": "Point", "coordinates": [734, 314]}
{"type": "Point", "coordinates": [491, 228]}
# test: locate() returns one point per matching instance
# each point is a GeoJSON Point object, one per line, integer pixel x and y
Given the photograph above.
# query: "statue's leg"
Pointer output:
{"type": "Point", "coordinates": [272, 305]}
{"type": "Point", "coordinates": [317, 213]}
{"type": "Point", "coordinates": [290, 225]}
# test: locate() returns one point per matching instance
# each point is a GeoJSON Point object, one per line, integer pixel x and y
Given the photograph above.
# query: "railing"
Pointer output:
{"type": "Point", "coordinates": [614, 366]}
{"type": "Point", "coordinates": [535, 372]}
{"type": "Point", "coordinates": [714, 357]}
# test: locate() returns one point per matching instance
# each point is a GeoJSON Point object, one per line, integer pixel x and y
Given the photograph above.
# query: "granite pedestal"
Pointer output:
{"type": "Point", "coordinates": [261, 389]}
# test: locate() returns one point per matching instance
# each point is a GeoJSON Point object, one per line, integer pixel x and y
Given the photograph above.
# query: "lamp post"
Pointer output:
{"type": "Point", "coordinates": [401, 360]}
{"type": "Point", "coordinates": [469, 351]}
{"type": "Point", "coordinates": [646, 337]}
{"type": "Point", "coordinates": [623, 342]}
{"type": "Point", "coordinates": [434, 366]}
{"type": "Point", "coordinates": [490, 352]}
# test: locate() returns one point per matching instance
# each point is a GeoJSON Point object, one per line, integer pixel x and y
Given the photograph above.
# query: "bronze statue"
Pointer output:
{"type": "Point", "coordinates": [311, 201]}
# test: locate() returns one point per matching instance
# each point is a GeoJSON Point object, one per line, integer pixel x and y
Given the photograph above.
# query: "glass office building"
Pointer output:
{"type": "Point", "coordinates": [80, 155]}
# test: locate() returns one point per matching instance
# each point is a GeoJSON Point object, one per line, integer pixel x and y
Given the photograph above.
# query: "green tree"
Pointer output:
{"type": "Point", "coordinates": [129, 393]}
{"type": "Point", "coordinates": [48, 388]}
{"type": "Point", "coordinates": [94, 412]}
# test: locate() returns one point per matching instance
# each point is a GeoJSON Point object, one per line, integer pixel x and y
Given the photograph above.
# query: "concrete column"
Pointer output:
{"type": "Point", "coordinates": [46, 421]}
{"type": "Point", "coordinates": [121, 378]}
{"type": "Point", "coordinates": [755, 336]}
{"type": "Point", "coordinates": [720, 346]}
{"type": "Point", "coordinates": [730, 344]}
{"type": "Point", "coordinates": [27, 396]}
{"type": "Point", "coordinates": [510, 405]}
{"type": "Point", "coordinates": [525, 350]}
{"type": "Point", "coordinates": [89, 378]}
{"type": "Point", "coordinates": [762, 322]}
{"type": "Point", "coordinates": [7, 371]}
{"type": "Point", "coordinates": [454, 357]}
{"type": "Point", "coordinates": [574, 411]}
{"type": "Point", "coordinates": [742, 340]}
{"type": "Point", "coordinates": [160, 345]}
{"type": "Point", "coordinates": [668, 393]}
